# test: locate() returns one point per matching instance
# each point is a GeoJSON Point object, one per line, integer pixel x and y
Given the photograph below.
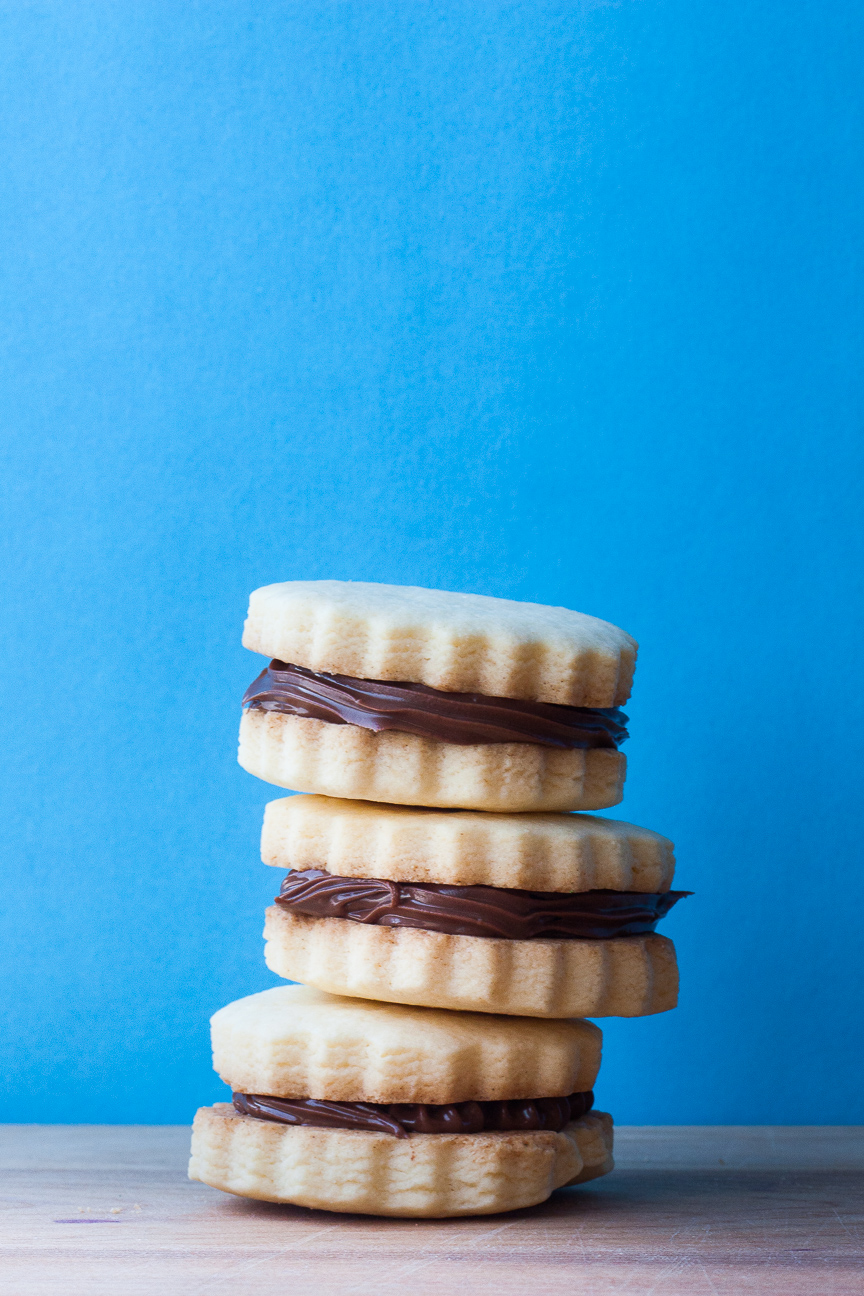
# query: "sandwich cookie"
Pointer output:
{"type": "Point", "coordinates": [534, 915]}
{"type": "Point", "coordinates": [422, 697]}
{"type": "Point", "coordinates": [346, 1105]}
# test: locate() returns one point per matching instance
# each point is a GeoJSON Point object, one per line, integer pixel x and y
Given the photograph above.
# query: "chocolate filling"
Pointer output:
{"type": "Point", "coordinates": [462, 718]}
{"type": "Point", "coordinates": [476, 910]}
{"type": "Point", "coordinates": [402, 1119]}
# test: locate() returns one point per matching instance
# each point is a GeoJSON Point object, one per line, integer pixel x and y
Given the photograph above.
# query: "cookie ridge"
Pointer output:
{"type": "Point", "coordinates": [343, 760]}
{"type": "Point", "coordinates": [300, 1042]}
{"type": "Point", "coordinates": [532, 852]}
{"type": "Point", "coordinates": [459, 643]}
{"type": "Point", "coordinates": [625, 976]}
{"type": "Point", "coordinates": [424, 1176]}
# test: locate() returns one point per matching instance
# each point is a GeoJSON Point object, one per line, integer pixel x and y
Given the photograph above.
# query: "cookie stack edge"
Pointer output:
{"type": "Point", "coordinates": [499, 819]}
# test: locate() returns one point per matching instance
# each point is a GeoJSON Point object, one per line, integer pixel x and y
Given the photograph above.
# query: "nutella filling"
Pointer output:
{"type": "Point", "coordinates": [476, 910]}
{"type": "Point", "coordinates": [462, 718]}
{"type": "Point", "coordinates": [402, 1119]}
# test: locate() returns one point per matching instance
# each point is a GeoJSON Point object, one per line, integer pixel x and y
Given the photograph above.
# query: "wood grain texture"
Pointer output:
{"type": "Point", "coordinates": [721, 1210]}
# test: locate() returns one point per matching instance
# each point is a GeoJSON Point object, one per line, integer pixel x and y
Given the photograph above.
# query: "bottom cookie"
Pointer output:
{"type": "Point", "coordinates": [424, 1176]}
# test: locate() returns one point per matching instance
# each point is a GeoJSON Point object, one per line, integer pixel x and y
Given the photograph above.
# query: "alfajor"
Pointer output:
{"type": "Point", "coordinates": [347, 1105]}
{"type": "Point", "coordinates": [422, 697]}
{"type": "Point", "coordinates": [533, 915]}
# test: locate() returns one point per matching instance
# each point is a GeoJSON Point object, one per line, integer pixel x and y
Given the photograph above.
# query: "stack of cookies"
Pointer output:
{"type": "Point", "coordinates": [450, 917]}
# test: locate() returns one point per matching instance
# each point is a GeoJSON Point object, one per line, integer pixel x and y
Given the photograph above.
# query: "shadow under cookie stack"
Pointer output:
{"type": "Point", "coordinates": [450, 918]}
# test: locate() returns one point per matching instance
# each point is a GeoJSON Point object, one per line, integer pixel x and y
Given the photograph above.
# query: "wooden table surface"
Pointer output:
{"type": "Point", "coordinates": [690, 1210]}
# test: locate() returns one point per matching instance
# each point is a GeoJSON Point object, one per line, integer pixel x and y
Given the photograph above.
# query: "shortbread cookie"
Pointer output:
{"type": "Point", "coordinates": [298, 1042]}
{"type": "Point", "coordinates": [460, 643]}
{"type": "Point", "coordinates": [628, 976]}
{"type": "Point", "coordinates": [361, 1106]}
{"type": "Point", "coordinates": [469, 944]}
{"type": "Point", "coordinates": [423, 1176]}
{"type": "Point", "coordinates": [520, 743]}
{"type": "Point", "coordinates": [594, 1134]}
{"type": "Point", "coordinates": [345, 760]}
{"type": "Point", "coordinates": [535, 852]}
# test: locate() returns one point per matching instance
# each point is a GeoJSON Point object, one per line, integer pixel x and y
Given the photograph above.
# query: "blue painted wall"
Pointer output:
{"type": "Point", "coordinates": [554, 301]}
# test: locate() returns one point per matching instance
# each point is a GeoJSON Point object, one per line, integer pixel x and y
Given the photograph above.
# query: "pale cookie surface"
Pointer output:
{"type": "Point", "coordinates": [460, 643]}
{"type": "Point", "coordinates": [534, 852]}
{"type": "Point", "coordinates": [343, 760]}
{"type": "Point", "coordinates": [424, 1176]}
{"type": "Point", "coordinates": [594, 1134]}
{"type": "Point", "coordinates": [626, 976]}
{"type": "Point", "coordinates": [299, 1042]}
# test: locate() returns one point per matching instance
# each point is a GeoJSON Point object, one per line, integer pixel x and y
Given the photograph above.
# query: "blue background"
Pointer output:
{"type": "Point", "coordinates": [560, 302]}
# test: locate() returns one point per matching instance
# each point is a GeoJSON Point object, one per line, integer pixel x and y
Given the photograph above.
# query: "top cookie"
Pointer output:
{"type": "Point", "coordinates": [298, 1042]}
{"type": "Point", "coordinates": [534, 852]}
{"type": "Point", "coordinates": [459, 643]}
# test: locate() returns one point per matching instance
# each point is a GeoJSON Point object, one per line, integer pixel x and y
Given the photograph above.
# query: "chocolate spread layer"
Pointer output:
{"type": "Point", "coordinates": [402, 1119]}
{"type": "Point", "coordinates": [462, 718]}
{"type": "Point", "coordinates": [476, 910]}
